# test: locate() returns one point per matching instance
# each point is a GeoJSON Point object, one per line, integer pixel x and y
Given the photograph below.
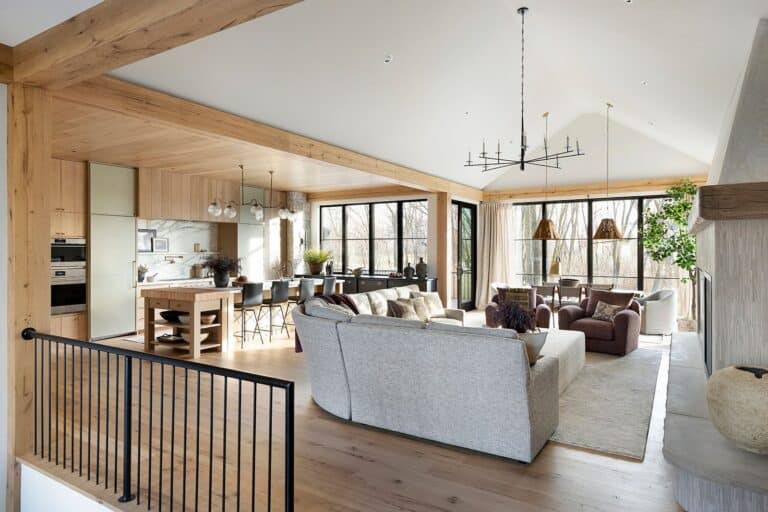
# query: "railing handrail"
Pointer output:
{"type": "Point", "coordinates": [30, 333]}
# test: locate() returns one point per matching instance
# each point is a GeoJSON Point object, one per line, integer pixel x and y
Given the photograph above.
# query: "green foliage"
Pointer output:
{"type": "Point", "coordinates": [317, 256]}
{"type": "Point", "coordinates": [665, 232]}
{"type": "Point", "coordinates": [222, 264]}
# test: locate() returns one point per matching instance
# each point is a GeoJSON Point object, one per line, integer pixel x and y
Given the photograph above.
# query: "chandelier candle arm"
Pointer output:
{"type": "Point", "coordinates": [491, 163]}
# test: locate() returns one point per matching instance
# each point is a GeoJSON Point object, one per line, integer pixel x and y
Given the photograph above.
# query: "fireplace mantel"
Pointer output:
{"type": "Point", "coordinates": [731, 202]}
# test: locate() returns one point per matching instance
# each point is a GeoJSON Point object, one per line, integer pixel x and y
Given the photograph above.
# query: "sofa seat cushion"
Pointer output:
{"type": "Point", "coordinates": [472, 331]}
{"type": "Point", "coordinates": [593, 328]}
{"type": "Point", "coordinates": [569, 348]}
{"type": "Point", "coordinates": [362, 302]}
{"type": "Point", "coordinates": [445, 320]}
{"type": "Point", "coordinates": [379, 298]}
{"type": "Point", "coordinates": [388, 321]}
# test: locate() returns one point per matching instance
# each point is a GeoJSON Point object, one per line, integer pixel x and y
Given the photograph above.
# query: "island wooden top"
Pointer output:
{"type": "Point", "coordinates": [186, 294]}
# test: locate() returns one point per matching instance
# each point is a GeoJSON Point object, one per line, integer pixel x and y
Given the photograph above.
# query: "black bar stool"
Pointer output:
{"type": "Point", "coordinates": [329, 285]}
{"type": "Point", "coordinates": [278, 299]}
{"type": "Point", "coordinates": [306, 292]}
{"type": "Point", "coordinates": [253, 298]}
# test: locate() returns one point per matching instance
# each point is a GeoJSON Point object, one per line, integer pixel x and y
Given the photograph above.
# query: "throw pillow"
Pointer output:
{"type": "Point", "coordinates": [402, 308]}
{"type": "Point", "coordinates": [525, 297]}
{"type": "Point", "coordinates": [534, 341]}
{"type": "Point", "coordinates": [321, 309]}
{"type": "Point", "coordinates": [609, 297]}
{"type": "Point", "coordinates": [606, 312]}
{"type": "Point", "coordinates": [433, 302]}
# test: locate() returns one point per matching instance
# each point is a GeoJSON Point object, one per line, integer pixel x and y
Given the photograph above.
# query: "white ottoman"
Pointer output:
{"type": "Point", "coordinates": [569, 348]}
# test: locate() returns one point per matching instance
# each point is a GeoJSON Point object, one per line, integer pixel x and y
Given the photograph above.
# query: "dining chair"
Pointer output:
{"type": "Point", "coordinates": [252, 299]}
{"type": "Point", "coordinates": [569, 292]}
{"type": "Point", "coordinates": [603, 287]}
{"type": "Point", "coordinates": [547, 290]}
{"type": "Point", "coordinates": [277, 300]}
{"type": "Point", "coordinates": [329, 285]}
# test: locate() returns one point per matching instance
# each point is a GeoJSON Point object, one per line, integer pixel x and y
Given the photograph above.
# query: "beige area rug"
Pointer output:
{"type": "Point", "coordinates": [608, 406]}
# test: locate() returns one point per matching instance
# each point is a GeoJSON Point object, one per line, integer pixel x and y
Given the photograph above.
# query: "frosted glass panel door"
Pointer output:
{"type": "Point", "coordinates": [112, 281]}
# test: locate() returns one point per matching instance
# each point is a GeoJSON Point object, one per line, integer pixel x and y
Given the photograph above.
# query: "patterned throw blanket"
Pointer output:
{"type": "Point", "coordinates": [340, 299]}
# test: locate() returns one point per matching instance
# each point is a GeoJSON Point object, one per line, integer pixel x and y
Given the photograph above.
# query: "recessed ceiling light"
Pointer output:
{"type": "Point", "coordinates": [644, 82]}
{"type": "Point", "coordinates": [627, 1]}
{"type": "Point", "coordinates": [388, 59]}
{"type": "Point", "coordinates": [651, 123]}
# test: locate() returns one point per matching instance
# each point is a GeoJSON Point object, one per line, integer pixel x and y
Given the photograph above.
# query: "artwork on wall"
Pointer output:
{"type": "Point", "coordinates": [159, 245]}
{"type": "Point", "coordinates": [144, 239]}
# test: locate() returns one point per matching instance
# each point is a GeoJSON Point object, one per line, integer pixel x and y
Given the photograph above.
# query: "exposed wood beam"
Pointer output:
{"type": "Point", "coordinates": [6, 64]}
{"type": "Point", "coordinates": [29, 297]}
{"type": "Point", "coordinates": [591, 189]}
{"type": "Point", "coordinates": [443, 268]}
{"type": "Point", "coordinates": [363, 193]}
{"type": "Point", "coordinates": [141, 103]}
{"type": "Point", "coordinates": [114, 33]}
{"type": "Point", "coordinates": [734, 201]}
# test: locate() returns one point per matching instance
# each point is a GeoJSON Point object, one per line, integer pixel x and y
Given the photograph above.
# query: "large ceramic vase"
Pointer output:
{"type": "Point", "coordinates": [221, 279]}
{"type": "Point", "coordinates": [738, 406]}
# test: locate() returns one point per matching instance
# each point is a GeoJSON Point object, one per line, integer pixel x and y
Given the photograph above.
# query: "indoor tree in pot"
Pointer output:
{"type": "Point", "coordinates": [315, 258]}
{"type": "Point", "coordinates": [222, 267]}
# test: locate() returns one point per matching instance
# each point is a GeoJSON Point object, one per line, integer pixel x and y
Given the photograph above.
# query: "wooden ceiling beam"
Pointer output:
{"type": "Point", "coordinates": [6, 64]}
{"type": "Point", "coordinates": [115, 33]}
{"type": "Point", "coordinates": [591, 189]}
{"type": "Point", "coordinates": [138, 102]}
{"type": "Point", "coordinates": [363, 193]}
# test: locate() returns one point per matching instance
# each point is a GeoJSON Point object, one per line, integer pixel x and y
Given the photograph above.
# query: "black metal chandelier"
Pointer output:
{"type": "Point", "coordinates": [494, 161]}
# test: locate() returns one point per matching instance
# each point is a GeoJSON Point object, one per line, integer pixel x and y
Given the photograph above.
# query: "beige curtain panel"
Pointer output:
{"type": "Point", "coordinates": [495, 248]}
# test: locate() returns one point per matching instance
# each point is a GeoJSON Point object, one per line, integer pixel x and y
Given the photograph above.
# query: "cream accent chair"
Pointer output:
{"type": "Point", "coordinates": [659, 314]}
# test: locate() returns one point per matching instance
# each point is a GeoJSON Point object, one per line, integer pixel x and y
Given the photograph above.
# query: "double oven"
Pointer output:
{"type": "Point", "coordinates": [68, 275]}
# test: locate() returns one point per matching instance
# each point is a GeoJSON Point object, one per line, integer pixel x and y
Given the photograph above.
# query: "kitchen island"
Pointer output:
{"type": "Point", "coordinates": [193, 302]}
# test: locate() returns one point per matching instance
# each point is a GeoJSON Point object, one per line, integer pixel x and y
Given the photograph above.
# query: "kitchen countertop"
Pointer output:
{"type": "Point", "coordinates": [180, 280]}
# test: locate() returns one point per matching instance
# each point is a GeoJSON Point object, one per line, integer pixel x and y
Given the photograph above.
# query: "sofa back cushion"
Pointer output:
{"type": "Point", "coordinates": [433, 302]}
{"type": "Point", "coordinates": [362, 302]}
{"type": "Point", "coordinates": [622, 299]}
{"type": "Point", "coordinates": [404, 292]}
{"type": "Point", "coordinates": [387, 321]}
{"type": "Point", "coordinates": [321, 309]}
{"type": "Point", "coordinates": [379, 298]}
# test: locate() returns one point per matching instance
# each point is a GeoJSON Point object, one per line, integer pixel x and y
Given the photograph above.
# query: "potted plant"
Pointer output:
{"type": "Point", "coordinates": [511, 315]}
{"type": "Point", "coordinates": [142, 271]}
{"type": "Point", "coordinates": [315, 258]}
{"type": "Point", "coordinates": [222, 267]}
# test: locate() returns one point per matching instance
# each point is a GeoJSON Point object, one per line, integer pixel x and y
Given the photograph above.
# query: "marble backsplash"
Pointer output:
{"type": "Point", "coordinates": [182, 237]}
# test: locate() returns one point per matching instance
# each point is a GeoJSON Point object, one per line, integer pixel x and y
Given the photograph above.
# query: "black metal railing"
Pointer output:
{"type": "Point", "coordinates": [164, 432]}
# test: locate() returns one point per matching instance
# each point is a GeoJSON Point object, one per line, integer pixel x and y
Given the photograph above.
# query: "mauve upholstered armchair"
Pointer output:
{"type": "Point", "coordinates": [542, 313]}
{"type": "Point", "coordinates": [619, 337]}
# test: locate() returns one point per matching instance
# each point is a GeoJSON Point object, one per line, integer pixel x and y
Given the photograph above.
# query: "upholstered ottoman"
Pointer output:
{"type": "Point", "coordinates": [569, 348]}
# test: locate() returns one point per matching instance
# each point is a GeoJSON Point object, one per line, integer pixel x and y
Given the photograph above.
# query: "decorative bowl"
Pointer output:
{"type": "Point", "coordinates": [170, 315]}
{"type": "Point", "coordinates": [737, 397]}
{"type": "Point", "coordinates": [207, 318]}
{"type": "Point", "coordinates": [184, 318]}
{"type": "Point", "coordinates": [188, 336]}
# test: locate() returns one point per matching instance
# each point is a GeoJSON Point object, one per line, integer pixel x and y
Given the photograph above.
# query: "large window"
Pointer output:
{"type": "Point", "coordinates": [379, 237]}
{"type": "Point", "coordinates": [622, 263]}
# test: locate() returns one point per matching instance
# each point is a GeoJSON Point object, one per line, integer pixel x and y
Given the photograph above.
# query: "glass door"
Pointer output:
{"type": "Point", "coordinates": [464, 220]}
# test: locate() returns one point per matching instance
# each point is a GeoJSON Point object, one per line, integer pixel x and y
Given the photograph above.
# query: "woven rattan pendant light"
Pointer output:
{"type": "Point", "coordinates": [607, 230]}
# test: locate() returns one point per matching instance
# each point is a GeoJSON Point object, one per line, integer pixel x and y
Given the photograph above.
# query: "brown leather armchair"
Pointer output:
{"type": "Point", "coordinates": [619, 337]}
{"type": "Point", "coordinates": [542, 313]}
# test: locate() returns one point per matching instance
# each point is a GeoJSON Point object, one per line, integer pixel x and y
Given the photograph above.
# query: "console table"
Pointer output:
{"type": "Point", "coordinates": [712, 473]}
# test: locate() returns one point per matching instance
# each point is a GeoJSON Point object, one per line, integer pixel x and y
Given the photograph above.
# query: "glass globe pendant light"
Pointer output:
{"type": "Point", "coordinates": [214, 208]}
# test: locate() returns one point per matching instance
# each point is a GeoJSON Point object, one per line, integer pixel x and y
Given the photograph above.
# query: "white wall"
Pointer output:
{"type": "Point", "coordinates": [39, 493]}
{"type": "Point", "coordinates": [4, 413]}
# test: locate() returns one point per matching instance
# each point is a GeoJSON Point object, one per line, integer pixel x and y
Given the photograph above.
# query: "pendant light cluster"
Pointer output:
{"type": "Point", "coordinates": [215, 209]}
{"type": "Point", "coordinates": [608, 229]}
{"type": "Point", "coordinates": [257, 209]}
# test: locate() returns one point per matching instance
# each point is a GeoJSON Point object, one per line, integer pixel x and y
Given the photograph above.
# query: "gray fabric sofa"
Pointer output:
{"type": "Point", "coordinates": [471, 388]}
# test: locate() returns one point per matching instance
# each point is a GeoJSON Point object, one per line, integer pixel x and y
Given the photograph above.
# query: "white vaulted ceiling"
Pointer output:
{"type": "Point", "coordinates": [317, 68]}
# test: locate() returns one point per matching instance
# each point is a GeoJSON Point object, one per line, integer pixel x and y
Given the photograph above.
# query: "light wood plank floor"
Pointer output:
{"type": "Point", "coordinates": [344, 467]}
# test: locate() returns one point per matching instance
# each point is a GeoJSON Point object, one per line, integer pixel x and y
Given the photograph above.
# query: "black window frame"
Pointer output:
{"type": "Point", "coordinates": [641, 200]}
{"type": "Point", "coordinates": [372, 233]}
